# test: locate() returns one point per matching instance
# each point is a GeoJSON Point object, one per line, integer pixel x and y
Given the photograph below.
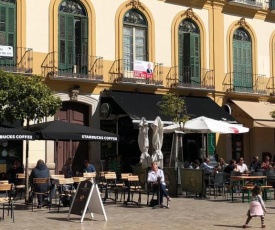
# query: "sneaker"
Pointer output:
{"type": "Point", "coordinates": [244, 226]}
{"type": "Point", "coordinates": [263, 226]}
{"type": "Point", "coordinates": [169, 198]}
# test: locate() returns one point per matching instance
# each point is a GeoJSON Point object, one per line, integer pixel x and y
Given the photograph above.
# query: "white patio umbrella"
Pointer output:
{"type": "Point", "coordinates": [206, 125]}
{"type": "Point", "coordinates": [143, 143]}
{"type": "Point", "coordinates": [157, 140]}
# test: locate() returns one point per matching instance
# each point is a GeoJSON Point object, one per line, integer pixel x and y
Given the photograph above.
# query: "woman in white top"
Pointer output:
{"type": "Point", "coordinates": [156, 176]}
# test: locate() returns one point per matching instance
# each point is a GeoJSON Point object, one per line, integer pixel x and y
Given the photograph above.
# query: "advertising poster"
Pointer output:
{"type": "Point", "coordinates": [143, 69]}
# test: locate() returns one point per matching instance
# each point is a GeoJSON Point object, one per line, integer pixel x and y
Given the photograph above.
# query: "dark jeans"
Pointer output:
{"type": "Point", "coordinates": [162, 191]}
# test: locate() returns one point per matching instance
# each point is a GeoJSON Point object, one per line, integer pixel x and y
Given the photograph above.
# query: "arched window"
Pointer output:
{"type": "Point", "coordinates": [189, 53]}
{"type": "Point", "coordinates": [242, 61]}
{"type": "Point", "coordinates": [8, 28]}
{"type": "Point", "coordinates": [73, 38]}
{"type": "Point", "coordinates": [134, 38]}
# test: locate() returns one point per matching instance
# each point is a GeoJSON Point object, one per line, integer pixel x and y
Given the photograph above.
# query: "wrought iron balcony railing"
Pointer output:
{"type": "Point", "coordinates": [271, 86]}
{"type": "Point", "coordinates": [245, 83]}
{"type": "Point", "coordinates": [58, 65]}
{"type": "Point", "coordinates": [257, 4]}
{"type": "Point", "coordinates": [22, 62]}
{"type": "Point", "coordinates": [122, 72]}
{"type": "Point", "coordinates": [189, 77]}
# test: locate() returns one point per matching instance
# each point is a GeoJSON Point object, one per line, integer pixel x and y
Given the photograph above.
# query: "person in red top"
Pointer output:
{"type": "Point", "coordinates": [266, 164]}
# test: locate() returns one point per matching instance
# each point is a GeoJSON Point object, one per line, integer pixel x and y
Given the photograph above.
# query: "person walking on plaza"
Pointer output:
{"type": "Point", "coordinates": [155, 176]}
{"type": "Point", "coordinates": [257, 207]}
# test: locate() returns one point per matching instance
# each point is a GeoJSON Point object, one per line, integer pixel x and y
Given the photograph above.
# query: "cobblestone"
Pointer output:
{"type": "Point", "coordinates": [184, 213]}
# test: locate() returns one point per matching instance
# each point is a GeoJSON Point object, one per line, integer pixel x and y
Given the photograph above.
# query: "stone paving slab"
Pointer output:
{"type": "Point", "coordinates": [184, 213]}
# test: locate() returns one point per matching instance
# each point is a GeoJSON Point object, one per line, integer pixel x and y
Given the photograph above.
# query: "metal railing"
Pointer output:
{"type": "Point", "coordinates": [77, 66]}
{"type": "Point", "coordinates": [122, 72]}
{"type": "Point", "coordinates": [253, 3]}
{"type": "Point", "coordinates": [245, 83]}
{"type": "Point", "coordinates": [271, 86]}
{"type": "Point", "coordinates": [189, 77]}
{"type": "Point", "coordinates": [22, 62]}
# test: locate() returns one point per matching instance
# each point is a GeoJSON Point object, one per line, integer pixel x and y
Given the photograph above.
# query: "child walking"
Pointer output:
{"type": "Point", "coordinates": [257, 207]}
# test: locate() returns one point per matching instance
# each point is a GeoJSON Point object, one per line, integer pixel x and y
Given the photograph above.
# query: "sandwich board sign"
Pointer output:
{"type": "Point", "coordinates": [87, 199]}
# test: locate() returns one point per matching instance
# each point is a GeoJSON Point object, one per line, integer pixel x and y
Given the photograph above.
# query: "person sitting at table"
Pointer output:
{"type": "Point", "coordinates": [155, 176]}
{"type": "Point", "coordinates": [67, 168]}
{"type": "Point", "coordinates": [195, 165]}
{"type": "Point", "coordinates": [231, 167]}
{"type": "Point", "coordinates": [221, 165]}
{"type": "Point", "coordinates": [255, 164]}
{"type": "Point", "coordinates": [41, 171]}
{"type": "Point", "coordinates": [88, 167]}
{"type": "Point", "coordinates": [242, 167]}
{"type": "Point", "coordinates": [266, 163]}
{"type": "Point", "coordinates": [208, 169]}
{"type": "Point", "coordinates": [13, 171]}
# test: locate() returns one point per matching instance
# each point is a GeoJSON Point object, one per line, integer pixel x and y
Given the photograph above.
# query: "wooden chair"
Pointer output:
{"type": "Point", "coordinates": [121, 186]}
{"type": "Point", "coordinates": [134, 187]}
{"type": "Point", "coordinates": [20, 184]}
{"type": "Point", "coordinates": [65, 190]}
{"type": "Point", "coordinates": [7, 201]}
{"type": "Point", "coordinates": [90, 175]}
{"type": "Point", "coordinates": [109, 185]}
{"type": "Point", "coordinates": [37, 182]}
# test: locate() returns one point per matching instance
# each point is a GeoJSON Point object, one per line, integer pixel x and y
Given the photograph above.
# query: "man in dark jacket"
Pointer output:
{"type": "Point", "coordinates": [40, 171]}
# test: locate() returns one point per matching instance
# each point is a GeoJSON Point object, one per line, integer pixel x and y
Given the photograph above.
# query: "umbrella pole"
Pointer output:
{"type": "Point", "coordinates": [26, 172]}
{"type": "Point", "coordinates": [172, 149]}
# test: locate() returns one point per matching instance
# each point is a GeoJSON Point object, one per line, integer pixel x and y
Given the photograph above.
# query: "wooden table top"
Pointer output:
{"type": "Point", "coordinates": [247, 177]}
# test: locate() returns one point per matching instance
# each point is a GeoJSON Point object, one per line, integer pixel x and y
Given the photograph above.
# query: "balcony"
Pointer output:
{"type": "Point", "coordinates": [22, 62]}
{"type": "Point", "coordinates": [191, 78]}
{"type": "Point", "coordinates": [271, 86]}
{"type": "Point", "coordinates": [253, 4]}
{"type": "Point", "coordinates": [68, 67]}
{"type": "Point", "coordinates": [122, 72]}
{"type": "Point", "coordinates": [272, 6]}
{"type": "Point", "coordinates": [245, 83]}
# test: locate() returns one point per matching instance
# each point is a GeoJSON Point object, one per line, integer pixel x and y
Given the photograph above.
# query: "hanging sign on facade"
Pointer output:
{"type": "Point", "coordinates": [6, 51]}
{"type": "Point", "coordinates": [143, 69]}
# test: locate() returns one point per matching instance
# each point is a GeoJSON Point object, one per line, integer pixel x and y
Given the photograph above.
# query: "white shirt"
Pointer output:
{"type": "Point", "coordinates": [153, 176]}
{"type": "Point", "coordinates": [242, 168]}
{"type": "Point", "coordinates": [207, 168]}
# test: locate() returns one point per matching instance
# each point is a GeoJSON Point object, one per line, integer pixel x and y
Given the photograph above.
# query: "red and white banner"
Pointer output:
{"type": "Point", "coordinates": [143, 69]}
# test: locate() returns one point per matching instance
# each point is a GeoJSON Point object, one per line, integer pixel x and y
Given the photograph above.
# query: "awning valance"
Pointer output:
{"type": "Point", "coordinates": [259, 112]}
{"type": "Point", "coordinates": [138, 105]}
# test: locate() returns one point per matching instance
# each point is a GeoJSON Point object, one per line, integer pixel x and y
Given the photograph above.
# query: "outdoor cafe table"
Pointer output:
{"type": "Point", "coordinates": [243, 182]}
{"type": "Point", "coordinates": [244, 179]}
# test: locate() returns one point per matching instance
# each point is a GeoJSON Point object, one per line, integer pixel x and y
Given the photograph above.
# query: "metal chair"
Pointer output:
{"type": "Point", "coordinates": [218, 184]}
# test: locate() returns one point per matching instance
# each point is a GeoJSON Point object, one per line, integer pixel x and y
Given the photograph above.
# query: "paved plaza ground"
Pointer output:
{"type": "Point", "coordinates": [184, 213]}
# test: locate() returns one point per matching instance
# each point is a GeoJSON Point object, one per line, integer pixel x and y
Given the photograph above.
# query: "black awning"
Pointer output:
{"type": "Point", "coordinates": [138, 105]}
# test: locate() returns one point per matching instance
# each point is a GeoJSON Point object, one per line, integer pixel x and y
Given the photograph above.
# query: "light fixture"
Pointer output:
{"type": "Point", "coordinates": [4, 153]}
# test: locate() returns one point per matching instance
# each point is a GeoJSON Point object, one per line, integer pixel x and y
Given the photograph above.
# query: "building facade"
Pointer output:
{"type": "Point", "coordinates": [89, 52]}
